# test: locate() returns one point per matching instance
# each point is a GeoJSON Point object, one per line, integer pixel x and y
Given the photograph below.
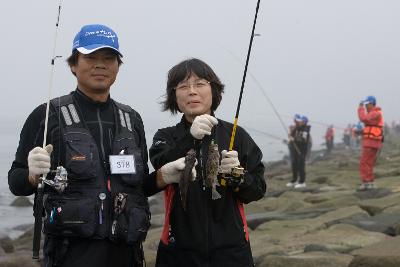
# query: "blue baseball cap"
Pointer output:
{"type": "Point", "coordinates": [304, 119]}
{"type": "Point", "coordinates": [94, 37]}
{"type": "Point", "coordinates": [297, 117]}
{"type": "Point", "coordinates": [370, 100]}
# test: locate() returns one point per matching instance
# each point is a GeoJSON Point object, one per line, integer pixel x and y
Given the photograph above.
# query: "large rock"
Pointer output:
{"type": "Point", "coordinates": [282, 204]}
{"type": "Point", "coordinates": [313, 259]}
{"type": "Point", "coordinates": [151, 244]}
{"type": "Point", "coordinates": [381, 254]}
{"type": "Point", "coordinates": [341, 238]}
{"type": "Point", "coordinates": [21, 201]}
{"type": "Point", "coordinates": [253, 220]}
{"type": "Point", "coordinates": [375, 206]}
{"type": "Point", "coordinates": [380, 173]}
{"type": "Point", "coordinates": [372, 193]}
{"type": "Point", "coordinates": [281, 237]}
{"type": "Point", "coordinates": [7, 244]}
{"type": "Point", "coordinates": [386, 223]}
{"type": "Point", "coordinates": [2, 252]}
{"type": "Point", "coordinates": [331, 200]}
{"type": "Point", "coordinates": [19, 259]}
{"type": "Point", "coordinates": [279, 229]}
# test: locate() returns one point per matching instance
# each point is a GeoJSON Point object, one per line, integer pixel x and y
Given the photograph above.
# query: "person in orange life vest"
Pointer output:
{"type": "Point", "coordinates": [372, 117]}
{"type": "Point", "coordinates": [329, 137]}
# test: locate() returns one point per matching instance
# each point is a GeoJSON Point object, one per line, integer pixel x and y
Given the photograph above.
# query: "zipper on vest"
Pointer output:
{"type": "Point", "coordinates": [101, 135]}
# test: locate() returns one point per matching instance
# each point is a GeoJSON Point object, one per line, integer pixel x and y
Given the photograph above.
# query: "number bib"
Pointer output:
{"type": "Point", "coordinates": [121, 164]}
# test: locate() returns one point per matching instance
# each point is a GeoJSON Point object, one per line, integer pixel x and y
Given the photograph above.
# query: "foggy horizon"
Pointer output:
{"type": "Point", "coordinates": [317, 58]}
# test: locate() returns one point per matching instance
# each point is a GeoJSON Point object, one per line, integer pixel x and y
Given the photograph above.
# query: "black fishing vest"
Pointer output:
{"type": "Point", "coordinates": [97, 204]}
{"type": "Point", "coordinates": [301, 134]}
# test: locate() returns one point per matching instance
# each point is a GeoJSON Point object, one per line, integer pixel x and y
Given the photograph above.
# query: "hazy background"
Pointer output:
{"type": "Point", "coordinates": [314, 57]}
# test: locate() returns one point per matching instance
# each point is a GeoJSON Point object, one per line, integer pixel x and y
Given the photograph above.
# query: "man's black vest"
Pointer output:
{"type": "Point", "coordinates": [97, 204]}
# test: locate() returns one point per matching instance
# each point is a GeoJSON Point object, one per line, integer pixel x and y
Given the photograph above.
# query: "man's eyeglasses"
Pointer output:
{"type": "Point", "coordinates": [185, 86]}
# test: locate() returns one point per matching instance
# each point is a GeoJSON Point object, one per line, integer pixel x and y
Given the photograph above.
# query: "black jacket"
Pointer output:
{"type": "Point", "coordinates": [101, 122]}
{"type": "Point", "coordinates": [210, 232]}
{"type": "Point", "coordinates": [32, 136]}
{"type": "Point", "coordinates": [301, 139]}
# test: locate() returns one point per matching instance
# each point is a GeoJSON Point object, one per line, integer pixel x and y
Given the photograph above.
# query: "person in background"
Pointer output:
{"type": "Point", "coordinates": [329, 138]}
{"type": "Point", "coordinates": [372, 117]}
{"type": "Point", "coordinates": [356, 134]}
{"type": "Point", "coordinates": [299, 143]}
{"type": "Point", "coordinates": [205, 225]}
{"type": "Point", "coordinates": [347, 136]}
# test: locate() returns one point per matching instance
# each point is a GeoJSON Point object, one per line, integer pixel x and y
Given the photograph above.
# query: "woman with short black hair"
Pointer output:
{"type": "Point", "coordinates": [204, 225]}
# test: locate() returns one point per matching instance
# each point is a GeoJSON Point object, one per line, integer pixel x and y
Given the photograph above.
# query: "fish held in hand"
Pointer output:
{"type": "Point", "coordinates": [212, 166]}
{"type": "Point", "coordinates": [187, 176]}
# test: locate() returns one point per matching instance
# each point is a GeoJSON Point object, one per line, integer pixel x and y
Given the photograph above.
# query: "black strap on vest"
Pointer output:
{"type": "Point", "coordinates": [70, 113]}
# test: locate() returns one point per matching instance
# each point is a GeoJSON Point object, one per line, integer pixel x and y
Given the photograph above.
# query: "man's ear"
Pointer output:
{"type": "Point", "coordinates": [73, 70]}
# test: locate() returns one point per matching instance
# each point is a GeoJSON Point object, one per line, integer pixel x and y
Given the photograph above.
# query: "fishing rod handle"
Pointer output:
{"type": "Point", "coordinates": [37, 230]}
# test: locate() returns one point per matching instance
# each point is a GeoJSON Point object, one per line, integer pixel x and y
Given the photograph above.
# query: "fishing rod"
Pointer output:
{"type": "Point", "coordinates": [266, 96]}
{"type": "Point", "coordinates": [243, 79]}
{"type": "Point", "coordinates": [38, 210]}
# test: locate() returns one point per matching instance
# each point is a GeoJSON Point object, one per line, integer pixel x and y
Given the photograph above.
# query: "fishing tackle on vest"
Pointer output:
{"type": "Point", "coordinates": [38, 209]}
{"type": "Point", "coordinates": [212, 167]}
{"type": "Point", "coordinates": [60, 180]}
{"type": "Point", "coordinates": [119, 206]}
{"type": "Point", "coordinates": [187, 176]}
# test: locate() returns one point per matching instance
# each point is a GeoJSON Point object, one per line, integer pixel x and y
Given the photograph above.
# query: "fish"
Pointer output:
{"type": "Point", "coordinates": [212, 166]}
{"type": "Point", "coordinates": [187, 176]}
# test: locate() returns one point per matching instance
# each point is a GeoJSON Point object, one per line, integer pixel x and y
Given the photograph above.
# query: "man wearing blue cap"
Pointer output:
{"type": "Point", "coordinates": [372, 116]}
{"type": "Point", "coordinates": [299, 144]}
{"type": "Point", "coordinates": [102, 216]}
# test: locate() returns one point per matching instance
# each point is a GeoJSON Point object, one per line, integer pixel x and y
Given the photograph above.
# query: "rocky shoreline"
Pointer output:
{"type": "Point", "coordinates": [328, 223]}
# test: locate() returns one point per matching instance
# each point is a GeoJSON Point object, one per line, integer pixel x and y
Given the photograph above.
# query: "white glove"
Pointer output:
{"type": "Point", "coordinates": [202, 125]}
{"type": "Point", "coordinates": [39, 160]}
{"type": "Point", "coordinates": [172, 171]}
{"type": "Point", "coordinates": [229, 161]}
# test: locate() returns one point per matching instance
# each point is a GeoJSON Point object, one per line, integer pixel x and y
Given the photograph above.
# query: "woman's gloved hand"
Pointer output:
{"type": "Point", "coordinates": [229, 161]}
{"type": "Point", "coordinates": [202, 126]}
{"type": "Point", "coordinates": [172, 171]}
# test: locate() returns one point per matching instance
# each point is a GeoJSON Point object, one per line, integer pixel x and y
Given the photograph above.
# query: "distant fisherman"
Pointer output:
{"type": "Point", "coordinates": [299, 144]}
{"type": "Point", "coordinates": [372, 138]}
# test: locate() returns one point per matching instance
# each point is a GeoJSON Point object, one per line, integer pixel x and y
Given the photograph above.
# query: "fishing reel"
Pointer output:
{"type": "Point", "coordinates": [60, 180]}
{"type": "Point", "coordinates": [233, 179]}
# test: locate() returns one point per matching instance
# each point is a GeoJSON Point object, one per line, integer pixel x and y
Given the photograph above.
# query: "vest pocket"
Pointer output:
{"type": "Point", "coordinates": [128, 145]}
{"type": "Point", "coordinates": [135, 178]}
{"type": "Point", "coordinates": [132, 224]}
{"type": "Point", "coordinates": [80, 156]}
{"type": "Point", "coordinates": [69, 216]}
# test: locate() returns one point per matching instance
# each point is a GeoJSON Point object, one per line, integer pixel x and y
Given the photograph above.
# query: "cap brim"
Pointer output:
{"type": "Point", "coordinates": [92, 48]}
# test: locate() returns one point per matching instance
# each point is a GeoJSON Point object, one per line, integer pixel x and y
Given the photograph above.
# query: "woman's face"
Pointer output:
{"type": "Point", "coordinates": [194, 97]}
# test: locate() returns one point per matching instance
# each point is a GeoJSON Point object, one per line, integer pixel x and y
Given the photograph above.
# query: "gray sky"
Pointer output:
{"type": "Point", "coordinates": [314, 57]}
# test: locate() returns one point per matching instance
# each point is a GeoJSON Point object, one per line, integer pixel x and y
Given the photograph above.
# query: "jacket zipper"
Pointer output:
{"type": "Point", "coordinates": [203, 173]}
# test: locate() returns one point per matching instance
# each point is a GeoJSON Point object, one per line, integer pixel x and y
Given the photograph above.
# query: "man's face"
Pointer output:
{"type": "Point", "coordinates": [97, 71]}
{"type": "Point", "coordinates": [369, 106]}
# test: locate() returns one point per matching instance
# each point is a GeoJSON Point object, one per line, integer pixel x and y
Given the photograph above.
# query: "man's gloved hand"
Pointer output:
{"type": "Point", "coordinates": [172, 171]}
{"type": "Point", "coordinates": [202, 125]}
{"type": "Point", "coordinates": [362, 103]}
{"type": "Point", "coordinates": [39, 162]}
{"type": "Point", "coordinates": [229, 161]}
